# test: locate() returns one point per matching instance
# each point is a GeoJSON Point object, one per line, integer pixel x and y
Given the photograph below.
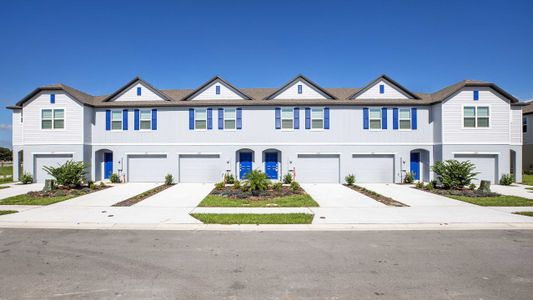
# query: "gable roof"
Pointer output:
{"type": "Point", "coordinates": [295, 79]}
{"type": "Point", "coordinates": [389, 81]}
{"type": "Point", "coordinates": [132, 82]}
{"type": "Point", "coordinates": [78, 95]}
{"type": "Point", "coordinates": [209, 82]}
{"type": "Point", "coordinates": [450, 90]}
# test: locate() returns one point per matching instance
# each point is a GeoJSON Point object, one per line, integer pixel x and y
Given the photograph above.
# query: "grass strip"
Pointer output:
{"type": "Point", "coordinates": [524, 213]}
{"type": "Point", "coordinates": [527, 179]}
{"type": "Point", "coordinates": [303, 200]}
{"type": "Point", "coordinates": [4, 187]}
{"type": "Point", "coordinates": [140, 197]}
{"type": "Point", "coordinates": [293, 218]}
{"type": "Point", "coordinates": [501, 200]}
{"type": "Point", "coordinates": [7, 212]}
{"type": "Point", "coordinates": [377, 196]}
{"type": "Point", "coordinates": [26, 199]}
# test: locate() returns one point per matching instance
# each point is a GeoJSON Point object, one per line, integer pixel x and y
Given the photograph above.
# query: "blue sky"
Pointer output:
{"type": "Point", "coordinates": [97, 46]}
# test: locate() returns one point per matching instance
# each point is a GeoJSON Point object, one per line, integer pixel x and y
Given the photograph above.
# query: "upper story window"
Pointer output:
{"type": "Point", "coordinates": [200, 118]}
{"type": "Point", "coordinates": [374, 117]}
{"type": "Point", "coordinates": [405, 118]}
{"type": "Point", "coordinates": [139, 91]}
{"type": "Point", "coordinates": [116, 120]}
{"type": "Point", "coordinates": [382, 89]}
{"type": "Point", "coordinates": [476, 116]}
{"type": "Point", "coordinates": [300, 89]}
{"type": "Point", "coordinates": [145, 119]}
{"type": "Point", "coordinates": [287, 118]}
{"type": "Point", "coordinates": [524, 124]}
{"type": "Point", "coordinates": [230, 118]}
{"type": "Point", "coordinates": [317, 118]}
{"type": "Point", "coordinates": [217, 89]}
{"type": "Point", "coordinates": [53, 119]}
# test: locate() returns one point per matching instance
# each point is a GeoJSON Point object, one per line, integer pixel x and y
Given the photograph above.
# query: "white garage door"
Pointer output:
{"type": "Point", "coordinates": [317, 168]}
{"type": "Point", "coordinates": [47, 160]}
{"type": "Point", "coordinates": [486, 165]}
{"type": "Point", "coordinates": [148, 168]}
{"type": "Point", "coordinates": [373, 168]}
{"type": "Point", "coordinates": [200, 168]}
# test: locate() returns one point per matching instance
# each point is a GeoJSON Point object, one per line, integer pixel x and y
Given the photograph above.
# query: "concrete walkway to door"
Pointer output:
{"type": "Point", "coordinates": [337, 195]}
{"type": "Point", "coordinates": [180, 195]}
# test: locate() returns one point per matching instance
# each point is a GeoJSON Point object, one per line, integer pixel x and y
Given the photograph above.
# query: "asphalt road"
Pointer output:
{"type": "Point", "coordinates": [95, 264]}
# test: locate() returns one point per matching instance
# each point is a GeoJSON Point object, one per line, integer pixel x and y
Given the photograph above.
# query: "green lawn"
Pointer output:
{"type": "Point", "coordinates": [495, 201]}
{"type": "Point", "coordinates": [295, 218]}
{"type": "Point", "coordinates": [288, 201]}
{"type": "Point", "coordinates": [6, 170]}
{"type": "Point", "coordinates": [25, 199]}
{"type": "Point", "coordinates": [7, 212]}
{"type": "Point", "coordinates": [3, 187]}
{"type": "Point", "coordinates": [527, 179]}
{"type": "Point", "coordinates": [524, 213]}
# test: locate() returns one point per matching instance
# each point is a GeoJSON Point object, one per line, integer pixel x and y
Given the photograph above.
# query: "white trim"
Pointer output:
{"type": "Point", "coordinates": [59, 153]}
{"type": "Point", "coordinates": [323, 119]}
{"type": "Point", "coordinates": [380, 119]}
{"type": "Point", "coordinates": [146, 153]}
{"type": "Point", "coordinates": [476, 153]}
{"type": "Point", "coordinates": [195, 110]}
{"type": "Point", "coordinates": [291, 118]}
{"type": "Point", "coordinates": [199, 153]}
{"type": "Point", "coordinates": [476, 105]}
{"type": "Point", "coordinates": [374, 153]}
{"type": "Point", "coordinates": [52, 109]}
{"type": "Point", "coordinates": [150, 119]}
{"type": "Point", "coordinates": [317, 153]}
{"type": "Point", "coordinates": [121, 120]}
{"type": "Point", "coordinates": [224, 119]}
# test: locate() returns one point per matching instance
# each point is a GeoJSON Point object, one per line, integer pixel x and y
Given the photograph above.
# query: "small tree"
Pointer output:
{"type": "Point", "coordinates": [287, 179]}
{"type": "Point", "coordinates": [26, 178]}
{"type": "Point", "coordinates": [454, 174]}
{"type": "Point", "coordinates": [71, 173]}
{"type": "Point", "coordinates": [114, 178]}
{"type": "Point", "coordinates": [169, 179]}
{"type": "Point", "coordinates": [257, 181]}
{"type": "Point", "coordinates": [350, 179]}
{"type": "Point", "coordinates": [507, 179]}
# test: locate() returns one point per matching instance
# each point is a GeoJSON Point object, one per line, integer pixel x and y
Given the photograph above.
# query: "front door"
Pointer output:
{"type": "Point", "coordinates": [245, 164]}
{"type": "Point", "coordinates": [108, 164]}
{"type": "Point", "coordinates": [415, 165]}
{"type": "Point", "coordinates": [271, 165]}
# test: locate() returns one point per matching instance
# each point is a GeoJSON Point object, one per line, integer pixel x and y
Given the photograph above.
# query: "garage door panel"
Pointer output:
{"type": "Point", "coordinates": [320, 168]}
{"type": "Point", "coordinates": [203, 168]}
{"type": "Point", "coordinates": [47, 160]}
{"type": "Point", "coordinates": [147, 168]}
{"type": "Point", "coordinates": [373, 168]}
{"type": "Point", "coordinates": [486, 166]}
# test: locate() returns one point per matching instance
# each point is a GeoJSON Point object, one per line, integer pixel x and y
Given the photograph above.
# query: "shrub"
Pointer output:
{"type": "Point", "coordinates": [71, 173]}
{"type": "Point", "coordinates": [169, 179]}
{"type": "Point", "coordinates": [91, 185]}
{"type": "Point", "coordinates": [102, 184]}
{"type": "Point", "coordinates": [507, 179]}
{"type": "Point", "coordinates": [257, 180]}
{"type": "Point", "coordinates": [409, 178]}
{"type": "Point", "coordinates": [114, 178]}
{"type": "Point", "coordinates": [277, 186]}
{"type": "Point", "coordinates": [472, 187]}
{"type": "Point", "coordinates": [454, 174]}
{"type": "Point", "coordinates": [237, 185]}
{"type": "Point", "coordinates": [350, 179]}
{"type": "Point", "coordinates": [287, 179]}
{"type": "Point", "coordinates": [430, 186]}
{"type": "Point", "coordinates": [229, 179]}
{"type": "Point", "coordinates": [295, 186]}
{"type": "Point", "coordinates": [26, 178]}
{"type": "Point", "coordinates": [419, 185]}
{"type": "Point", "coordinates": [220, 185]}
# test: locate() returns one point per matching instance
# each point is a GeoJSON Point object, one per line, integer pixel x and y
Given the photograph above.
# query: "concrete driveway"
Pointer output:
{"type": "Point", "coordinates": [515, 189]}
{"type": "Point", "coordinates": [180, 195]}
{"type": "Point", "coordinates": [337, 195]}
{"type": "Point", "coordinates": [15, 189]}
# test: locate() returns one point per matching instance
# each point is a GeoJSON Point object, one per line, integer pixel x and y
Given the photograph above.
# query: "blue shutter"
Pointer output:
{"type": "Point", "coordinates": [278, 118]}
{"type": "Point", "coordinates": [296, 118]}
{"type": "Point", "coordinates": [136, 119]}
{"type": "Point", "coordinates": [154, 119]}
{"type": "Point", "coordinates": [382, 89]}
{"type": "Point", "coordinates": [326, 117]}
{"type": "Point", "coordinates": [107, 119]}
{"type": "Point", "coordinates": [209, 118]}
{"type": "Point", "coordinates": [476, 95]}
{"type": "Point", "coordinates": [52, 98]}
{"type": "Point", "coordinates": [138, 91]}
{"type": "Point", "coordinates": [365, 118]}
{"type": "Point", "coordinates": [413, 118]}
{"type": "Point", "coordinates": [239, 118]}
{"type": "Point", "coordinates": [395, 118]}
{"type": "Point", "coordinates": [125, 119]}
{"type": "Point", "coordinates": [383, 118]}
{"type": "Point", "coordinates": [220, 118]}
{"type": "Point", "coordinates": [191, 118]}
{"type": "Point", "coordinates": [307, 118]}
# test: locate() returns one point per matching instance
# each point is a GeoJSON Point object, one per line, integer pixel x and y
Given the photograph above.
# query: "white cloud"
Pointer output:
{"type": "Point", "coordinates": [5, 126]}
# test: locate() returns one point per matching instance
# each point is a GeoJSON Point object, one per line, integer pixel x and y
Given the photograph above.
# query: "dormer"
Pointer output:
{"type": "Point", "coordinates": [217, 89]}
{"type": "Point", "coordinates": [383, 87]}
{"type": "Point", "coordinates": [300, 88]}
{"type": "Point", "coordinates": [137, 90]}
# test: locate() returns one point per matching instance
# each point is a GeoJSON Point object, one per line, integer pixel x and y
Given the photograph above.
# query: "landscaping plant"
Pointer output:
{"type": "Point", "coordinates": [409, 178]}
{"type": "Point", "coordinates": [71, 173]}
{"type": "Point", "coordinates": [169, 179]}
{"type": "Point", "coordinates": [419, 185]}
{"type": "Point", "coordinates": [507, 179]}
{"type": "Point", "coordinates": [220, 185]}
{"type": "Point", "coordinates": [430, 186]}
{"type": "Point", "coordinates": [472, 187]}
{"type": "Point", "coordinates": [295, 186]}
{"type": "Point", "coordinates": [237, 185]}
{"type": "Point", "coordinates": [454, 174]}
{"type": "Point", "coordinates": [257, 181]}
{"type": "Point", "coordinates": [287, 179]}
{"type": "Point", "coordinates": [114, 178]}
{"type": "Point", "coordinates": [350, 179]}
{"type": "Point", "coordinates": [26, 178]}
{"type": "Point", "coordinates": [229, 179]}
{"type": "Point", "coordinates": [277, 186]}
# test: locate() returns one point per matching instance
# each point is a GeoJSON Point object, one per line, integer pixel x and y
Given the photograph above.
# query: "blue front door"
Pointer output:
{"type": "Point", "coordinates": [415, 165]}
{"type": "Point", "coordinates": [245, 164]}
{"type": "Point", "coordinates": [271, 165]}
{"type": "Point", "coordinates": [108, 164]}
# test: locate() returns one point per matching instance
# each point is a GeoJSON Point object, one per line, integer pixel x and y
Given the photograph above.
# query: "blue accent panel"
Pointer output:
{"type": "Point", "coordinates": [209, 118]}
{"type": "Point", "coordinates": [271, 165]}
{"type": "Point", "coordinates": [300, 89]}
{"type": "Point", "coordinates": [365, 118]}
{"type": "Point", "coordinates": [296, 118]}
{"type": "Point", "coordinates": [107, 119]}
{"type": "Point", "coordinates": [220, 118]}
{"type": "Point", "coordinates": [139, 91]}
{"type": "Point", "coordinates": [382, 89]}
{"type": "Point", "coordinates": [395, 118]}
{"type": "Point", "coordinates": [307, 118]}
{"type": "Point", "coordinates": [415, 165]}
{"type": "Point", "coordinates": [413, 119]}
{"type": "Point", "coordinates": [108, 164]}
{"type": "Point", "coordinates": [154, 119]}
{"type": "Point", "coordinates": [326, 117]}
{"type": "Point", "coordinates": [191, 118]}
{"type": "Point", "coordinates": [245, 164]}
{"type": "Point", "coordinates": [52, 98]}
{"type": "Point", "coordinates": [136, 119]}
{"type": "Point", "coordinates": [278, 118]}
{"type": "Point", "coordinates": [217, 89]}
{"type": "Point", "coordinates": [125, 119]}
{"type": "Point", "coordinates": [383, 118]}
{"type": "Point", "coordinates": [476, 95]}
{"type": "Point", "coordinates": [239, 118]}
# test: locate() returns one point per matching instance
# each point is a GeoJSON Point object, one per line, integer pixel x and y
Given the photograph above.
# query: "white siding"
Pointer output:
{"type": "Point", "coordinates": [390, 92]}
{"type": "Point", "coordinates": [88, 117]}
{"type": "Point", "coordinates": [209, 93]}
{"type": "Point", "coordinates": [17, 137]}
{"type": "Point", "coordinates": [528, 136]}
{"type": "Point", "coordinates": [131, 94]}
{"type": "Point", "coordinates": [516, 125]}
{"type": "Point", "coordinates": [73, 131]}
{"type": "Point", "coordinates": [308, 92]}
{"type": "Point", "coordinates": [452, 118]}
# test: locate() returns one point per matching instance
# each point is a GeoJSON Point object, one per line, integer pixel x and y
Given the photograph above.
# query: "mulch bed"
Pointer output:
{"type": "Point", "coordinates": [140, 197]}
{"type": "Point", "coordinates": [376, 196]}
{"type": "Point", "coordinates": [62, 191]}
{"type": "Point", "coordinates": [231, 192]}
{"type": "Point", "coordinates": [461, 192]}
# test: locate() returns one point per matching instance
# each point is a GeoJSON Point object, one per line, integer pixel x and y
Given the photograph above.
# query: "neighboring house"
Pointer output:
{"type": "Point", "coordinates": [527, 129]}
{"type": "Point", "coordinates": [378, 133]}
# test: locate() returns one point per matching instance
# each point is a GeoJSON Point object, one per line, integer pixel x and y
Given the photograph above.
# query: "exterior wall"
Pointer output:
{"type": "Point", "coordinates": [88, 123]}
{"type": "Point", "coordinates": [436, 120]}
{"type": "Point", "coordinates": [131, 94]}
{"type": "Point", "coordinates": [16, 162]}
{"type": "Point", "coordinates": [527, 157]}
{"type": "Point", "coordinates": [16, 125]}
{"type": "Point", "coordinates": [209, 92]}
{"type": "Point", "coordinates": [528, 136]}
{"type": "Point", "coordinates": [30, 150]}
{"type": "Point", "coordinates": [390, 92]}
{"type": "Point", "coordinates": [308, 92]}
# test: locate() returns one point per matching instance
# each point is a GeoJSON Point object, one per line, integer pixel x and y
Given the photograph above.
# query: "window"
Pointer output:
{"type": "Point", "coordinates": [116, 120]}
{"type": "Point", "coordinates": [382, 89]}
{"type": "Point", "coordinates": [145, 119]}
{"type": "Point", "coordinates": [300, 89]}
{"type": "Point", "coordinates": [217, 89]}
{"type": "Point", "coordinates": [287, 118]}
{"type": "Point", "coordinates": [200, 118]}
{"type": "Point", "coordinates": [230, 118]}
{"type": "Point", "coordinates": [524, 124]}
{"type": "Point", "coordinates": [52, 119]}
{"type": "Point", "coordinates": [476, 116]}
{"type": "Point", "coordinates": [405, 118]}
{"type": "Point", "coordinates": [317, 118]}
{"type": "Point", "coordinates": [374, 116]}
{"type": "Point", "coordinates": [139, 91]}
